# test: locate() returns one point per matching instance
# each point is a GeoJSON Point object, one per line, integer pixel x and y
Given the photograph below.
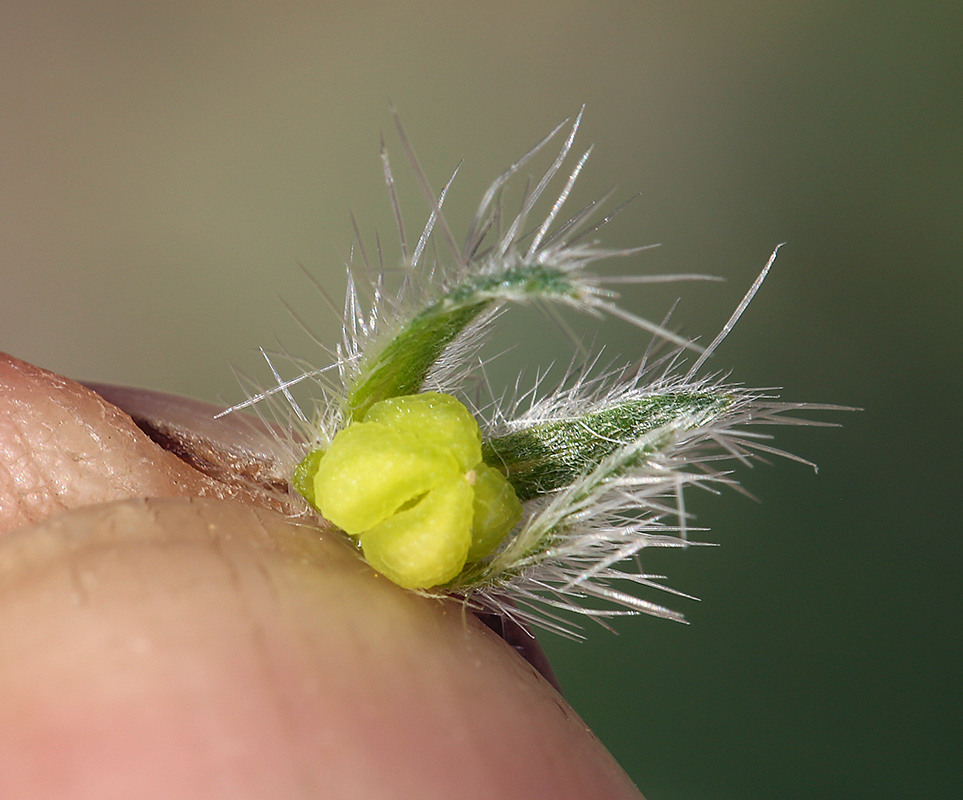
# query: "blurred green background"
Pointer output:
{"type": "Point", "coordinates": [164, 167]}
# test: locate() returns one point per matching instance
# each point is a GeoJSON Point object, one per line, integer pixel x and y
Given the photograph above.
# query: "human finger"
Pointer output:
{"type": "Point", "coordinates": [204, 648]}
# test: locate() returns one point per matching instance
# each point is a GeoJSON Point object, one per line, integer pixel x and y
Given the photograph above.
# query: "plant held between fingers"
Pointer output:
{"type": "Point", "coordinates": [535, 506]}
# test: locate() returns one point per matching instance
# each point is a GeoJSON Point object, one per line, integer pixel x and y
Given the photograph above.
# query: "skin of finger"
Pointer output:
{"type": "Point", "coordinates": [184, 648]}
{"type": "Point", "coordinates": [62, 446]}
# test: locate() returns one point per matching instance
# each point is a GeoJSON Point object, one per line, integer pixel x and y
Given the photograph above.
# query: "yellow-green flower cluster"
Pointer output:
{"type": "Point", "coordinates": [408, 480]}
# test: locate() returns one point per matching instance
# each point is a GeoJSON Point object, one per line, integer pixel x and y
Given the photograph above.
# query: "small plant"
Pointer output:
{"type": "Point", "coordinates": [530, 507]}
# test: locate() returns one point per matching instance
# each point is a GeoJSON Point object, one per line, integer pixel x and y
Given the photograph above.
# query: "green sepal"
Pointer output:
{"type": "Point", "coordinates": [548, 456]}
{"type": "Point", "coordinates": [401, 368]}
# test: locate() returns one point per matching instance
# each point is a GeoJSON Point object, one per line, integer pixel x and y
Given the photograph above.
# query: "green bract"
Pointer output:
{"type": "Point", "coordinates": [409, 481]}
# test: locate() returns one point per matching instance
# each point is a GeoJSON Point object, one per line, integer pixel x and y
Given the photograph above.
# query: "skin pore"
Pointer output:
{"type": "Point", "coordinates": [166, 633]}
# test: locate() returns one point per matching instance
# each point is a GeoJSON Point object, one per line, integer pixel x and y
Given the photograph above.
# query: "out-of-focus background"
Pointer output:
{"type": "Point", "coordinates": [165, 167]}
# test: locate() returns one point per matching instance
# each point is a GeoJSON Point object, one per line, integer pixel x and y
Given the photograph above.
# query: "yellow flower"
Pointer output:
{"type": "Point", "coordinates": [409, 481]}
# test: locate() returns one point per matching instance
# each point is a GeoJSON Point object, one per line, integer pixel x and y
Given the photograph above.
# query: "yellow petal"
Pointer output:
{"type": "Point", "coordinates": [436, 419]}
{"type": "Point", "coordinates": [371, 470]}
{"type": "Point", "coordinates": [427, 544]}
{"type": "Point", "coordinates": [496, 511]}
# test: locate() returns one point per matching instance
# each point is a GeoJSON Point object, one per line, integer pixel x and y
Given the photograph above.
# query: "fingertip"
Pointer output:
{"type": "Point", "coordinates": [62, 446]}
{"type": "Point", "coordinates": [203, 648]}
